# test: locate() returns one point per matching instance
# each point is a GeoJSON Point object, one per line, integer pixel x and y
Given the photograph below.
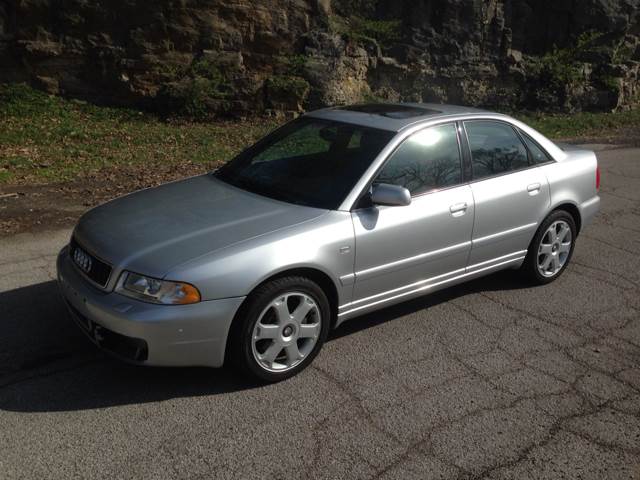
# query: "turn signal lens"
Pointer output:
{"type": "Point", "coordinates": [188, 293]}
{"type": "Point", "coordinates": [157, 291]}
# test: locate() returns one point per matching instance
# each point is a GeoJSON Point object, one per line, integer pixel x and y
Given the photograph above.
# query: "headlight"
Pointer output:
{"type": "Point", "coordinates": [157, 291]}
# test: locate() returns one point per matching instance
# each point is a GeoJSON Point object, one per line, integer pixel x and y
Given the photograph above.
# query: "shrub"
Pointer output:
{"type": "Point", "coordinates": [201, 86]}
{"type": "Point", "coordinates": [560, 71]}
{"type": "Point", "coordinates": [287, 92]}
{"type": "Point", "coordinates": [358, 28]}
{"type": "Point", "coordinates": [295, 64]}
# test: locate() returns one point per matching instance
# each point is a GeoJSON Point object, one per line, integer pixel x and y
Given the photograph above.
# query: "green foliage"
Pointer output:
{"type": "Point", "coordinates": [191, 96]}
{"type": "Point", "coordinates": [583, 124]}
{"type": "Point", "coordinates": [22, 100]}
{"type": "Point", "coordinates": [561, 66]}
{"type": "Point", "coordinates": [296, 65]}
{"type": "Point", "coordinates": [171, 71]}
{"type": "Point", "coordinates": [287, 92]}
{"type": "Point", "coordinates": [196, 88]}
{"type": "Point", "coordinates": [18, 100]}
{"type": "Point", "coordinates": [384, 31]}
{"type": "Point", "coordinates": [622, 52]}
{"type": "Point", "coordinates": [558, 69]}
{"type": "Point", "coordinates": [362, 29]}
{"type": "Point", "coordinates": [608, 82]}
{"type": "Point", "coordinates": [290, 65]}
{"type": "Point", "coordinates": [50, 139]}
{"type": "Point", "coordinates": [587, 41]}
{"type": "Point", "coordinates": [561, 70]}
{"type": "Point", "coordinates": [207, 69]}
{"type": "Point", "coordinates": [369, 97]}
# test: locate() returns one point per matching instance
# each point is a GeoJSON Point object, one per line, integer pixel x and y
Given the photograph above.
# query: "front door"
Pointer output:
{"type": "Point", "coordinates": [403, 250]}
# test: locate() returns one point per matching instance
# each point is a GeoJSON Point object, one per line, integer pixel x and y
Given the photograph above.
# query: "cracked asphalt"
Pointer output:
{"type": "Point", "coordinates": [492, 379]}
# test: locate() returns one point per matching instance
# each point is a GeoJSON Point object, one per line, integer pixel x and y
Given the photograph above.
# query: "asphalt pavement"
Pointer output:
{"type": "Point", "coordinates": [492, 379]}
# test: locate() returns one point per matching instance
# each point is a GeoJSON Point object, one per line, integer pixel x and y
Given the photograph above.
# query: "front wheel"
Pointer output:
{"type": "Point", "coordinates": [551, 248]}
{"type": "Point", "coordinates": [280, 329]}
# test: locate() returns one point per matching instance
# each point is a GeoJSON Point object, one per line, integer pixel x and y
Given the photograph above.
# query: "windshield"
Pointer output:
{"type": "Point", "coordinates": [308, 162]}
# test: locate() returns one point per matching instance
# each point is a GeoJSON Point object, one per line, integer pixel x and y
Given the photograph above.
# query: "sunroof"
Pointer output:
{"type": "Point", "coordinates": [391, 111]}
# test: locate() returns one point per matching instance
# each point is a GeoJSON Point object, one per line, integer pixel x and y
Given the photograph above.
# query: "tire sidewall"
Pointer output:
{"type": "Point", "coordinates": [531, 261]}
{"type": "Point", "coordinates": [250, 314]}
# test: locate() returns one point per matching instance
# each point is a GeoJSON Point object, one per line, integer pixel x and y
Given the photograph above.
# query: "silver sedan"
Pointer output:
{"type": "Point", "coordinates": [338, 213]}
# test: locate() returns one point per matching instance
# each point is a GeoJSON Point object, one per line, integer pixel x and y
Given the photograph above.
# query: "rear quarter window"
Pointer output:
{"type": "Point", "coordinates": [538, 155]}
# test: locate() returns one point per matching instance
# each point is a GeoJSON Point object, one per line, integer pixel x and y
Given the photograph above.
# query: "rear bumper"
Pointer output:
{"type": "Point", "coordinates": [589, 209]}
{"type": "Point", "coordinates": [145, 333]}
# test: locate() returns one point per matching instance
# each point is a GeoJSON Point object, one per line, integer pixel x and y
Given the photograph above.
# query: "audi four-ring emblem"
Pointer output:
{"type": "Point", "coordinates": [82, 259]}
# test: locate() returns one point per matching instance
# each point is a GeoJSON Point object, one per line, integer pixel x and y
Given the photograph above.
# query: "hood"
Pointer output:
{"type": "Point", "coordinates": [153, 230]}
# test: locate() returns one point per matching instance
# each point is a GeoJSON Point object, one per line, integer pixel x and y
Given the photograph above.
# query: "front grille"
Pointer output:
{"type": "Point", "coordinates": [90, 265]}
{"type": "Point", "coordinates": [127, 348]}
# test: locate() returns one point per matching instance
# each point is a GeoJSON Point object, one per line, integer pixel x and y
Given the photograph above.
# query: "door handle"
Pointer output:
{"type": "Point", "coordinates": [458, 209]}
{"type": "Point", "coordinates": [534, 188]}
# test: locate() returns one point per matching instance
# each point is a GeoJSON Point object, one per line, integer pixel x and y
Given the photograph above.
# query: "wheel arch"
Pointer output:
{"type": "Point", "coordinates": [569, 207]}
{"type": "Point", "coordinates": [573, 210]}
{"type": "Point", "coordinates": [323, 280]}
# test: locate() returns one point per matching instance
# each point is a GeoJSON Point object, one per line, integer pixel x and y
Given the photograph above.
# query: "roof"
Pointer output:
{"type": "Point", "coordinates": [391, 116]}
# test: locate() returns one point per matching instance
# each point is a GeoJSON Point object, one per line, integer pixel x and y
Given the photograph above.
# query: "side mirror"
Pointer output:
{"type": "Point", "coordinates": [390, 195]}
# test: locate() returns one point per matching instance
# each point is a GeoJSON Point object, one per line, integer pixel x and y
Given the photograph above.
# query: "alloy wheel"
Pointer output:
{"type": "Point", "coordinates": [286, 331]}
{"type": "Point", "coordinates": [554, 248]}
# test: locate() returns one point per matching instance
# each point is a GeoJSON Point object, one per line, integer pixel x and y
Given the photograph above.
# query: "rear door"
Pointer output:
{"type": "Point", "coordinates": [402, 249]}
{"type": "Point", "coordinates": [511, 194]}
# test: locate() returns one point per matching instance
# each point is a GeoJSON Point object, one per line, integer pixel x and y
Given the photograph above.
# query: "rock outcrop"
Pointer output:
{"type": "Point", "coordinates": [204, 57]}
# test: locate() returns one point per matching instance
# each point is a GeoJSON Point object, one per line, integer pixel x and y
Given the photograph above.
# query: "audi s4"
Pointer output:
{"type": "Point", "coordinates": [338, 213]}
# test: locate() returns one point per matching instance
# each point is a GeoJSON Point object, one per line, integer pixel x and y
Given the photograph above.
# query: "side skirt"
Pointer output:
{"type": "Point", "coordinates": [397, 295]}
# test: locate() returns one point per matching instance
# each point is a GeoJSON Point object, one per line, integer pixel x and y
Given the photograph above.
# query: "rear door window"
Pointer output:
{"type": "Point", "coordinates": [495, 148]}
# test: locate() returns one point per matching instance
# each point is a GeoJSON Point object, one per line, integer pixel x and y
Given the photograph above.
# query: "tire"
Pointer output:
{"type": "Point", "coordinates": [547, 246]}
{"type": "Point", "coordinates": [268, 341]}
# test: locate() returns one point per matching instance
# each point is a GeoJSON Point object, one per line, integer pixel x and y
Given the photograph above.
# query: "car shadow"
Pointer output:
{"type": "Point", "coordinates": [47, 364]}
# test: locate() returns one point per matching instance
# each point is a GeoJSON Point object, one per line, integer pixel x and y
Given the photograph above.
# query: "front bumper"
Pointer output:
{"type": "Point", "coordinates": [146, 333]}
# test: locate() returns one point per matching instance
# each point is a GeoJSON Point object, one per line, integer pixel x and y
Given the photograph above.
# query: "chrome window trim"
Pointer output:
{"type": "Point", "coordinates": [351, 200]}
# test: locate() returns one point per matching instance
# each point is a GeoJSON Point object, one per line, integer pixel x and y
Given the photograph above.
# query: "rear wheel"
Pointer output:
{"type": "Point", "coordinates": [551, 248]}
{"type": "Point", "coordinates": [280, 329]}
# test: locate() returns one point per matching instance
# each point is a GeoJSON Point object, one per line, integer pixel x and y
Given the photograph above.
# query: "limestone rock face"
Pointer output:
{"type": "Point", "coordinates": [212, 57]}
